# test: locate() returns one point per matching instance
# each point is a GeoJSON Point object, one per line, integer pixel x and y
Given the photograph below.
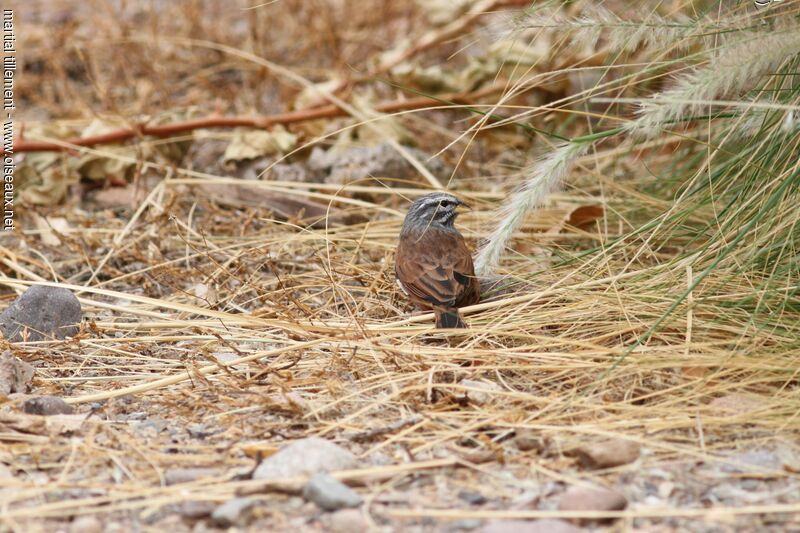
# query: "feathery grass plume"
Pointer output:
{"type": "Point", "coordinates": [754, 121]}
{"type": "Point", "coordinates": [543, 177]}
{"type": "Point", "coordinates": [733, 70]}
{"type": "Point", "coordinates": [649, 30]}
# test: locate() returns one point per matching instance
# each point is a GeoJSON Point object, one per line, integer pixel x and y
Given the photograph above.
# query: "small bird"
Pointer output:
{"type": "Point", "coordinates": [433, 264]}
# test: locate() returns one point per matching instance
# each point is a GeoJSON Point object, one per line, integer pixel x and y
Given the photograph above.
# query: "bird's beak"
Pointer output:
{"type": "Point", "coordinates": [465, 206]}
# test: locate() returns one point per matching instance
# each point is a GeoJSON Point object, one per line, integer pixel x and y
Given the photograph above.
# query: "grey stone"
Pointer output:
{"type": "Point", "coordinates": [759, 460]}
{"type": "Point", "coordinates": [472, 497]}
{"type": "Point", "coordinates": [467, 524]}
{"type": "Point", "coordinates": [366, 162]}
{"type": "Point", "coordinates": [200, 431]}
{"type": "Point", "coordinates": [147, 428]}
{"type": "Point", "coordinates": [15, 374]}
{"type": "Point", "coordinates": [348, 521]}
{"type": "Point", "coordinates": [186, 475]}
{"type": "Point", "coordinates": [195, 509]}
{"type": "Point", "coordinates": [234, 512]}
{"type": "Point", "coordinates": [546, 525]}
{"type": "Point", "coordinates": [527, 440]}
{"type": "Point", "coordinates": [330, 493]}
{"type": "Point", "coordinates": [305, 457]}
{"type": "Point", "coordinates": [46, 406]}
{"type": "Point", "coordinates": [41, 313]}
{"type": "Point", "coordinates": [266, 168]}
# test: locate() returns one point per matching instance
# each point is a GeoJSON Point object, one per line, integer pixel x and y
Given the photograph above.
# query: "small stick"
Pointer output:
{"type": "Point", "coordinates": [167, 130]}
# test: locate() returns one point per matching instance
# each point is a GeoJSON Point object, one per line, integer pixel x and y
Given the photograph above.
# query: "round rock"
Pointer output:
{"type": "Point", "coordinates": [46, 406]}
{"type": "Point", "coordinates": [591, 499]}
{"type": "Point", "coordinates": [41, 313]}
{"type": "Point", "coordinates": [330, 493]}
{"type": "Point", "coordinates": [305, 457]}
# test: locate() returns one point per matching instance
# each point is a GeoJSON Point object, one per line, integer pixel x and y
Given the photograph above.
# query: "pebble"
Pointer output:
{"type": "Point", "coordinates": [86, 524]}
{"type": "Point", "coordinates": [348, 521]}
{"type": "Point", "coordinates": [736, 404]}
{"type": "Point", "coordinates": [200, 431]}
{"type": "Point", "coordinates": [330, 493]}
{"type": "Point", "coordinates": [591, 499]}
{"type": "Point", "coordinates": [482, 390]}
{"type": "Point", "coordinates": [305, 457]}
{"type": "Point", "coordinates": [115, 196]}
{"type": "Point", "coordinates": [467, 524]}
{"type": "Point", "coordinates": [46, 406]}
{"type": "Point", "coordinates": [527, 440]}
{"type": "Point", "coordinates": [195, 509]}
{"type": "Point", "coordinates": [45, 312]}
{"type": "Point", "coordinates": [759, 461]}
{"type": "Point", "coordinates": [472, 497]}
{"type": "Point", "coordinates": [234, 512]}
{"type": "Point", "coordinates": [529, 526]}
{"type": "Point", "coordinates": [186, 475]}
{"type": "Point", "coordinates": [608, 453]}
{"type": "Point", "coordinates": [15, 374]}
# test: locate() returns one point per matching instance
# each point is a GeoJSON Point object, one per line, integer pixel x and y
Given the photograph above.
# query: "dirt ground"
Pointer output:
{"type": "Point", "coordinates": [238, 295]}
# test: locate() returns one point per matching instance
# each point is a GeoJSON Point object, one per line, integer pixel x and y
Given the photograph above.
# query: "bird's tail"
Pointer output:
{"type": "Point", "coordinates": [449, 318]}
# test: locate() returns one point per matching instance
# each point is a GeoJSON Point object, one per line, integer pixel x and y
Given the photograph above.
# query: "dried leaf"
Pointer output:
{"type": "Point", "coordinates": [256, 450]}
{"type": "Point", "coordinates": [374, 133]}
{"type": "Point", "coordinates": [207, 293]}
{"type": "Point", "coordinates": [579, 217]}
{"type": "Point", "coordinates": [440, 12]}
{"type": "Point", "coordinates": [585, 215]}
{"type": "Point", "coordinates": [430, 79]}
{"type": "Point", "coordinates": [116, 161]}
{"type": "Point", "coordinates": [315, 94]}
{"type": "Point", "coordinates": [510, 58]}
{"type": "Point", "coordinates": [45, 177]}
{"type": "Point", "coordinates": [48, 227]}
{"type": "Point", "coordinates": [252, 143]}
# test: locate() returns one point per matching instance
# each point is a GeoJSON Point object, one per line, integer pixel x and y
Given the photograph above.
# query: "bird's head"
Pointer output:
{"type": "Point", "coordinates": [438, 208]}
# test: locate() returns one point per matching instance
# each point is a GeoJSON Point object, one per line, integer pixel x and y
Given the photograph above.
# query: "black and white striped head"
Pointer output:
{"type": "Point", "coordinates": [435, 209]}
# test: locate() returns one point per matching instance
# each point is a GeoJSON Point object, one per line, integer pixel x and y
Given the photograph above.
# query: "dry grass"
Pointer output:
{"type": "Point", "coordinates": [257, 330]}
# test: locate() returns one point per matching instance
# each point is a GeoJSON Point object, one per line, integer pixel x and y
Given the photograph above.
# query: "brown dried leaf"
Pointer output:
{"type": "Point", "coordinates": [579, 217]}
{"type": "Point", "coordinates": [258, 450]}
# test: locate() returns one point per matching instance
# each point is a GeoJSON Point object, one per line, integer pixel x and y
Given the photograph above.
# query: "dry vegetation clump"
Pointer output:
{"type": "Point", "coordinates": [634, 177]}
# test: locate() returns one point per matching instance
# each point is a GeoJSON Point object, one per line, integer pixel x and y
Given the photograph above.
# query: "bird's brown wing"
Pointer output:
{"type": "Point", "coordinates": [436, 270]}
